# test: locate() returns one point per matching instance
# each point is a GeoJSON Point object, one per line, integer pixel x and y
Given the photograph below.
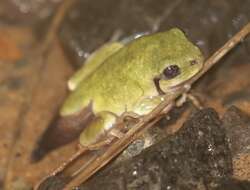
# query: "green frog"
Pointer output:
{"type": "Point", "coordinates": [130, 78]}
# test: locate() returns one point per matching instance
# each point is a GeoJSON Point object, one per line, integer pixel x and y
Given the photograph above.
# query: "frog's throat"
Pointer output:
{"type": "Point", "coordinates": [179, 85]}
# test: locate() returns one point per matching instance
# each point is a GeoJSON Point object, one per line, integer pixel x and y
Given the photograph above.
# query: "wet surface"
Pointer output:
{"type": "Point", "coordinates": [27, 11]}
{"type": "Point", "coordinates": [233, 184]}
{"type": "Point", "coordinates": [201, 21]}
{"type": "Point", "coordinates": [196, 157]}
{"type": "Point", "coordinates": [237, 124]}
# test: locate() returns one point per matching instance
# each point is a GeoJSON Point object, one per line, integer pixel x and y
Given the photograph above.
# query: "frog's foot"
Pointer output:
{"type": "Point", "coordinates": [116, 133]}
{"type": "Point", "coordinates": [103, 130]}
{"type": "Point", "coordinates": [195, 101]}
{"type": "Point", "coordinates": [181, 100]}
{"type": "Point", "coordinates": [129, 119]}
{"type": "Point", "coordinates": [98, 145]}
{"type": "Point", "coordinates": [183, 97]}
{"type": "Point", "coordinates": [112, 134]}
{"type": "Point", "coordinates": [131, 115]}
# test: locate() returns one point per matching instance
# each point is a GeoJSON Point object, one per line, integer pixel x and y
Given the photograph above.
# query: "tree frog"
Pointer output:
{"type": "Point", "coordinates": [133, 77]}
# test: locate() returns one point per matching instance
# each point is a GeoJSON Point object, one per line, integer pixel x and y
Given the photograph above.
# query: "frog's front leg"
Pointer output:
{"type": "Point", "coordinates": [189, 96]}
{"type": "Point", "coordinates": [148, 104]}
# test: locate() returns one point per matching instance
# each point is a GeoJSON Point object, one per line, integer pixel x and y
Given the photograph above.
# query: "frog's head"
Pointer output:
{"type": "Point", "coordinates": [176, 74]}
{"type": "Point", "coordinates": [183, 62]}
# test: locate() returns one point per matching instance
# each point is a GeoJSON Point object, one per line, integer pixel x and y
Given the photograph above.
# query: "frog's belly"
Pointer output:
{"type": "Point", "coordinates": [138, 103]}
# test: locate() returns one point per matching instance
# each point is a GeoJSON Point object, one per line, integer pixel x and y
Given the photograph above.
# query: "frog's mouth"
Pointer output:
{"type": "Point", "coordinates": [178, 79]}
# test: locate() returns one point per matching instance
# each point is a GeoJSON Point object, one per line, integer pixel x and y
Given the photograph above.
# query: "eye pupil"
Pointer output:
{"type": "Point", "coordinates": [171, 71]}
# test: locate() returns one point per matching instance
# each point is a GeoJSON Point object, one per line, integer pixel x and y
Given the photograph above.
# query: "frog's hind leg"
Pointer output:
{"type": "Point", "coordinates": [92, 63]}
{"type": "Point", "coordinates": [96, 132]}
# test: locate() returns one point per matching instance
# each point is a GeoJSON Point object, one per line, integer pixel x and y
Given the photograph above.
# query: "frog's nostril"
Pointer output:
{"type": "Point", "coordinates": [193, 62]}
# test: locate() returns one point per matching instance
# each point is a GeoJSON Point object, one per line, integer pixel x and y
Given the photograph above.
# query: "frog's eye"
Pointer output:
{"type": "Point", "coordinates": [171, 71]}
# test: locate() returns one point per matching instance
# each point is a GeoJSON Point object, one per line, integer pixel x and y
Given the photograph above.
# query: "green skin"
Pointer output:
{"type": "Point", "coordinates": [120, 78]}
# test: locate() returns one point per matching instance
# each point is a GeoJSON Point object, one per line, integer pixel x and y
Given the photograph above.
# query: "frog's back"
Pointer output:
{"type": "Point", "coordinates": [126, 75]}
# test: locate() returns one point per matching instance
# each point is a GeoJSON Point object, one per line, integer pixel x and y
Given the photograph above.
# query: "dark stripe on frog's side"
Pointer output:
{"type": "Point", "coordinates": [61, 131]}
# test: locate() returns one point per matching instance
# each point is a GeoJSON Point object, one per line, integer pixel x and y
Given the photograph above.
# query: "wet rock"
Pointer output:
{"type": "Point", "coordinates": [208, 23]}
{"type": "Point", "coordinates": [26, 11]}
{"type": "Point", "coordinates": [53, 183]}
{"type": "Point", "coordinates": [197, 157]}
{"type": "Point", "coordinates": [233, 184]}
{"type": "Point", "coordinates": [237, 126]}
{"type": "Point", "coordinates": [217, 21]}
{"type": "Point", "coordinates": [90, 24]}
